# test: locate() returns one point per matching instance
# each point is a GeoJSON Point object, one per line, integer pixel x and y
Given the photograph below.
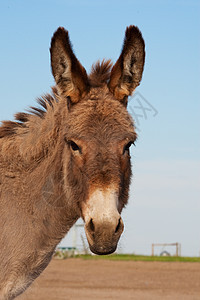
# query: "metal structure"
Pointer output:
{"type": "Point", "coordinates": [75, 238]}
{"type": "Point", "coordinates": [177, 245]}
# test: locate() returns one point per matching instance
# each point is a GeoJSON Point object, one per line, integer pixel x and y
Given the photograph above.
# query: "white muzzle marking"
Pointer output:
{"type": "Point", "coordinates": [102, 205]}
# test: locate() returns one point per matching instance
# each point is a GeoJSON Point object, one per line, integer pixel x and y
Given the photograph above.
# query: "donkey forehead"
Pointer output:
{"type": "Point", "coordinates": [100, 117]}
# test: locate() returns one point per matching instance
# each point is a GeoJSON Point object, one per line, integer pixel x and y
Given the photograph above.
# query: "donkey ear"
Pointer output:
{"type": "Point", "coordinates": [70, 76]}
{"type": "Point", "coordinates": [126, 74]}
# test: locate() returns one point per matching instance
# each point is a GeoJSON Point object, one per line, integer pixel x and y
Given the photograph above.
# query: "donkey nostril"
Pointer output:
{"type": "Point", "coordinates": [91, 225]}
{"type": "Point", "coordinates": [118, 226]}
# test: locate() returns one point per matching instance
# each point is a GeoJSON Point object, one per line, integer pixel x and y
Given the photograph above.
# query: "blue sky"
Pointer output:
{"type": "Point", "coordinates": [164, 201]}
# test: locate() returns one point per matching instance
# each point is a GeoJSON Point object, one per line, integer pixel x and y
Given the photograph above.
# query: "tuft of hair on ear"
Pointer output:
{"type": "Point", "coordinates": [126, 74]}
{"type": "Point", "coordinates": [100, 73]}
{"type": "Point", "coordinates": [70, 76]}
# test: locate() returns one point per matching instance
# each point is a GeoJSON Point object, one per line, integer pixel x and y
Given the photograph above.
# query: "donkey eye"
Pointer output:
{"type": "Point", "coordinates": [127, 146]}
{"type": "Point", "coordinates": [74, 146]}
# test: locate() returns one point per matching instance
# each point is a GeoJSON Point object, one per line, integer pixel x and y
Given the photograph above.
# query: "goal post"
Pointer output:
{"type": "Point", "coordinates": [176, 245]}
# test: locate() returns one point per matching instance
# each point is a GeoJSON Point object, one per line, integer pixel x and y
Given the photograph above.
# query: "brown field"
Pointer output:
{"type": "Point", "coordinates": [78, 279]}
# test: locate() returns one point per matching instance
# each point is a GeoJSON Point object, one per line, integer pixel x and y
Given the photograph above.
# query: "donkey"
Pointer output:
{"type": "Point", "coordinates": [68, 158]}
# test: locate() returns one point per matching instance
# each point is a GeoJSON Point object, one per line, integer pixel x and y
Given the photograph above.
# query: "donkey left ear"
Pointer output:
{"type": "Point", "coordinates": [126, 74]}
{"type": "Point", "coordinates": [70, 76]}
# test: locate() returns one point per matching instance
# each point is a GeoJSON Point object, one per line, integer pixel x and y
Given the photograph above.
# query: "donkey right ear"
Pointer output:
{"type": "Point", "coordinates": [70, 76]}
{"type": "Point", "coordinates": [126, 74]}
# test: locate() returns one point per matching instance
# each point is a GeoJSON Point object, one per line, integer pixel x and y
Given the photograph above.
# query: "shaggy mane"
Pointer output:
{"type": "Point", "coordinates": [100, 73]}
{"type": "Point", "coordinates": [9, 128]}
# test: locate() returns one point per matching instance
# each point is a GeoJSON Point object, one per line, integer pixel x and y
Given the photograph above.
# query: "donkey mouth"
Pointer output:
{"type": "Point", "coordinates": [103, 237]}
{"type": "Point", "coordinates": [102, 250]}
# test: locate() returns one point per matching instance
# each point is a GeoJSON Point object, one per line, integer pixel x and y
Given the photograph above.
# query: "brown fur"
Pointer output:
{"type": "Point", "coordinates": [100, 73]}
{"type": "Point", "coordinates": [44, 181]}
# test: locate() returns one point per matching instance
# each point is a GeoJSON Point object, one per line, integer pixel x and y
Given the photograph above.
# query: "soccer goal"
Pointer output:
{"type": "Point", "coordinates": [163, 248]}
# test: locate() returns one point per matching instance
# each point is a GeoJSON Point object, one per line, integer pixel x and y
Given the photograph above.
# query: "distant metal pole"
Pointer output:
{"type": "Point", "coordinates": [74, 241]}
{"type": "Point", "coordinates": [152, 251]}
{"type": "Point", "coordinates": [176, 249]}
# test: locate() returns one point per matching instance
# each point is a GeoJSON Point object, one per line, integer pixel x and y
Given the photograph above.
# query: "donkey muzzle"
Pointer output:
{"type": "Point", "coordinates": [103, 223]}
{"type": "Point", "coordinates": [103, 236]}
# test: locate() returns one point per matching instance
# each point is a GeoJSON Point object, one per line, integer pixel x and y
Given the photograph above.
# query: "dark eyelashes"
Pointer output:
{"type": "Point", "coordinates": [127, 146]}
{"type": "Point", "coordinates": [73, 145]}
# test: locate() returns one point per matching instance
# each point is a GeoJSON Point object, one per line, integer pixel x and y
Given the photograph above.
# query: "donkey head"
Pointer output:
{"type": "Point", "coordinates": [98, 132]}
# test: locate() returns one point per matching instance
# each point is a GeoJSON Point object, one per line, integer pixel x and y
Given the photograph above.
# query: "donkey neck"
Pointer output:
{"type": "Point", "coordinates": [31, 171]}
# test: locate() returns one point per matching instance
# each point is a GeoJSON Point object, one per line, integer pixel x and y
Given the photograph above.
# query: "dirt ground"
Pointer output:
{"type": "Point", "coordinates": [78, 279]}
